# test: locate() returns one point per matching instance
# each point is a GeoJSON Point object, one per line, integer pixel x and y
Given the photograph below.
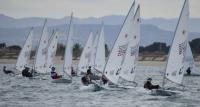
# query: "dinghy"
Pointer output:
{"type": "Point", "coordinates": [24, 56]}
{"type": "Point", "coordinates": [86, 56]}
{"type": "Point", "coordinates": [114, 65]}
{"type": "Point", "coordinates": [175, 64]}
{"type": "Point", "coordinates": [51, 50]}
{"type": "Point", "coordinates": [67, 66]}
{"type": "Point", "coordinates": [41, 55]}
{"type": "Point", "coordinates": [100, 58]}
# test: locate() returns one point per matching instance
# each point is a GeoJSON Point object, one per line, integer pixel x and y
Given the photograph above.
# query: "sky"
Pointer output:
{"type": "Point", "coordinates": [95, 8]}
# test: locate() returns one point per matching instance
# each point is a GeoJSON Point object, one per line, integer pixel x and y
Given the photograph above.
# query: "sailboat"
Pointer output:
{"type": "Point", "coordinates": [175, 64]}
{"type": "Point", "coordinates": [131, 57]}
{"type": "Point", "coordinates": [51, 50]}
{"type": "Point", "coordinates": [189, 61]}
{"type": "Point", "coordinates": [67, 66]}
{"type": "Point", "coordinates": [86, 56]}
{"type": "Point", "coordinates": [24, 56]}
{"type": "Point", "coordinates": [113, 67]}
{"type": "Point", "coordinates": [100, 58]}
{"type": "Point", "coordinates": [41, 56]}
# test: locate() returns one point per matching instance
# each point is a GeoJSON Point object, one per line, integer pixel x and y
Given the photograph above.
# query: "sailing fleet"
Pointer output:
{"type": "Point", "coordinates": [122, 61]}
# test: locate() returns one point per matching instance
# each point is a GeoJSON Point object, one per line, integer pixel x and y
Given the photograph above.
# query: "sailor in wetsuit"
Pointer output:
{"type": "Point", "coordinates": [7, 71]}
{"type": "Point", "coordinates": [86, 79]}
{"type": "Point", "coordinates": [148, 85]}
{"type": "Point", "coordinates": [26, 73]}
{"type": "Point", "coordinates": [104, 79]}
{"type": "Point", "coordinates": [188, 71]}
{"type": "Point", "coordinates": [54, 75]}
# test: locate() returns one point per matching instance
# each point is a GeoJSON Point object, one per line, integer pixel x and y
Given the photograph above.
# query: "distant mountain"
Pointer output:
{"type": "Point", "coordinates": [165, 24]}
{"type": "Point", "coordinates": [149, 34]}
{"type": "Point", "coordinates": [14, 31]}
{"type": "Point", "coordinates": [170, 24]}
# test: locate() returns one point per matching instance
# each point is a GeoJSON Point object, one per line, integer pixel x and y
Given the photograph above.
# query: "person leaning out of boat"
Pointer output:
{"type": "Point", "coordinates": [188, 71]}
{"type": "Point", "coordinates": [86, 80]}
{"type": "Point", "coordinates": [54, 75]}
{"type": "Point", "coordinates": [148, 85]}
{"type": "Point", "coordinates": [26, 73]}
{"type": "Point", "coordinates": [7, 71]}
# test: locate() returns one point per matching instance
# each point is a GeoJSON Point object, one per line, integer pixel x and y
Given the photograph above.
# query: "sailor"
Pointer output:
{"type": "Point", "coordinates": [104, 79]}
{"type": "Point", "coordinates": [54, 75]}
{"type": "Point", "coordinates": [89, 70]}
{"type": "Point", "coordinates": [188, 71]}
{"type": "Point", "coordinates": [148, 85]}
{"type": "Point", "coordinates": [86, 79]}
{"type": "Point", "coordinates": [7, 71]}
{"type": "Point", "coordinates": [73, 73]}
{"type": "Point", "coordinates": [26, 73]}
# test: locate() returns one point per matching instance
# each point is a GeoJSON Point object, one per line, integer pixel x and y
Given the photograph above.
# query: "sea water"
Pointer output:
{"type": "Point", "coordinates": [17, 91]}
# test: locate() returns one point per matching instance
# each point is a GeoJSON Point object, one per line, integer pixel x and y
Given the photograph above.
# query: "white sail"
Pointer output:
{"type": "Point", "coordinates": [41, 56]}
{"type": "Point", "coordinates": [130, 62]}
{"type": "Point", "coordinates": [86, 60]}
{"type": "Point", "coordinates": [94, 50]}
{"type": "Point", "coordinates": [175, 64]}
{"type": "Point", "coordinates": [100, 52]}
{"type": "Point", "coordinates": [189, 59]}
{"type": "Point", "coordinates": [117, 55]}
{"type": "Point", "coordinates": [24, 55]}
{"type": "Point", "coordinates": [69, 48]}
{"type": "Point", "coordinates": [51, 53]}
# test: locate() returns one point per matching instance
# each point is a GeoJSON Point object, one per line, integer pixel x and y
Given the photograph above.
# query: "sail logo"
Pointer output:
{"type": "Point", "coordinates": [134, 50]}
{"type": "Point", "coordinates": [182, 48]}
{"type": "Point", "coordinates": [122, 50]}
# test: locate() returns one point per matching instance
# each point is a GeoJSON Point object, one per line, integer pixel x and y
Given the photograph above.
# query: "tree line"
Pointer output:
{"type": "Point", "coordinates": [157, 48]}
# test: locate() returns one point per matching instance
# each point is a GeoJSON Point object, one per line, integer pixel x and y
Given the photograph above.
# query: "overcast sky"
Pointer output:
{"type": "Point", "coordinates": [94, 8]}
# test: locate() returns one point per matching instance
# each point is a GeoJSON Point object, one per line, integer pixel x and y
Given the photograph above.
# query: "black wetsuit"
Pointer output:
{"type": "Point", "coordinates": [188, 71]}
{"type": "Point", "coordinates": [25, 73]}
{"type": "Point", "coordinates": [85, 81]}
{"type": "Point", "coordinates": [104, 80]}
{"type": "Point", "coordinates": [7, 71]}
{"type": "Point", "coordinates": [149, 86]}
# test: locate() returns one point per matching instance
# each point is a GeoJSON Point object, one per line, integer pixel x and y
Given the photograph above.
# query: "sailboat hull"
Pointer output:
{"type": "Point", "coordinates": [62, 80]}
{"type": "Point", "coordinates": [163, 92]}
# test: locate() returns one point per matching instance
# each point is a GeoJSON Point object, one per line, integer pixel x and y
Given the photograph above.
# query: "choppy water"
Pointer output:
{"type": "Point", "coordinates": [23, 92]}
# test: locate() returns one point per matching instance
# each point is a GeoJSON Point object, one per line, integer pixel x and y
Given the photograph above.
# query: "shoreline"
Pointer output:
{"type": "Point", "coordinates": [58, 61]}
